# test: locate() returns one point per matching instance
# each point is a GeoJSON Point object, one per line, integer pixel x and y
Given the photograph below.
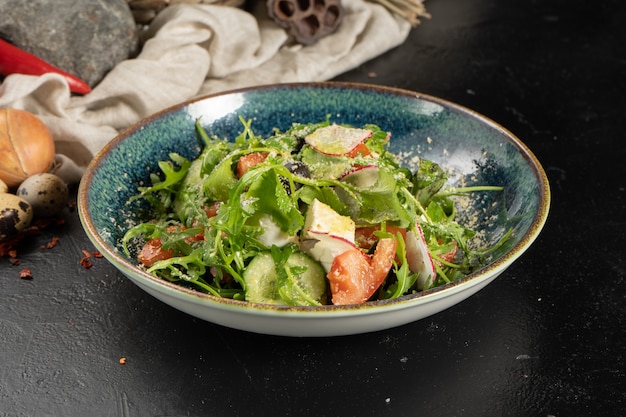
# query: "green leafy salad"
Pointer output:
{"type": "Point", "coordinates": [319, 214]}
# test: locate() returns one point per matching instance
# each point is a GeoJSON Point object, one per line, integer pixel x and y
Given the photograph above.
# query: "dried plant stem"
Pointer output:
{"type": "Point", "coordinates": [146, 10]}
{"type": "Point", "coordinates": [411, 10]}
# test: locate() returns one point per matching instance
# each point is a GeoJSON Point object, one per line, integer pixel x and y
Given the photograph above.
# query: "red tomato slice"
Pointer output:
{"type": "Point", "coordinates": [153, 251]}
{"type": "Point", "coordinates": [248, 161]}
{"type": "Point", "coordinates": [348, 277]}
{"type": "Point", "coordinates": [364, 237]}
{"type": "Point", "coordinates": [212, 209]}
{"type": "Point", "coordinates": [382, 260]}
{"type": "Point", "coordinates": [354, 277]}
{"type": "Point", "coordinates": [360, 149]}
{"type": "Point", "coordinates": [449, 256]}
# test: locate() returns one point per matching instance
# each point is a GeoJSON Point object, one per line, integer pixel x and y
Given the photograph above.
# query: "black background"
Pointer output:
{"type": "Point", "coordinates": [545, 339]}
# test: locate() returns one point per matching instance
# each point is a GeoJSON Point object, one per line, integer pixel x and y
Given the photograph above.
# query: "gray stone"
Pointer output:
{"type": "Point", "coordinates": [86, 38]}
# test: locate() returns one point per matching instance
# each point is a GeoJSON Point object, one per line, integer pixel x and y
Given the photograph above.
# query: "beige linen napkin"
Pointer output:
{"type": "Point", "coordinates": [190, 51]}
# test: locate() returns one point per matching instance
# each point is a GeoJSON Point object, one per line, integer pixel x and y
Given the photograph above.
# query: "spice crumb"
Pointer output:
{"type": "Point", "coordinates": [26, 274]}
{"type": "Point", "coordinates": [53, 242]}
{"type": "Point", "coordinates": [85, 261]}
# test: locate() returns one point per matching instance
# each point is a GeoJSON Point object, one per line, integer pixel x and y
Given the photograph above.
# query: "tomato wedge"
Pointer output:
{"type": "Point", "coordinates": [349, 278]}
{"type": "Point", "coordinates": [248, 161]}
{"type": "Point", "coordinates": [450, 255]}
{"type": "Point", "coordinates": [361, 149]}
{"type": "Point", "coordinates": [212, 209]}
{"type": "Point", "coordinates": [354, 277]}
{"type": "Point", "coordinates": [152, 251]}
{"type": "Point", "coordinates": [382, 260]}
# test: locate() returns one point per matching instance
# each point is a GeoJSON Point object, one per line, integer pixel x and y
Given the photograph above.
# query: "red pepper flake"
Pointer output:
{"type": "Point", "coordinates": [86, 262]}
{"type": "Point", "coordinates": [9, 246]}
{"type": "Point", "coordinates": [26, 274]}
{"type": "Point", "coordinates": [122, 361]}
{"type": "Point", "coordinates": [53, 242]}
{"type": "Point", "coordinates": [13, 259]}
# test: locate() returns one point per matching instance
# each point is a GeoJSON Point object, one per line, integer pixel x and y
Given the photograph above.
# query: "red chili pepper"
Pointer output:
{"type": "Point", "coordinates": [14, 60]}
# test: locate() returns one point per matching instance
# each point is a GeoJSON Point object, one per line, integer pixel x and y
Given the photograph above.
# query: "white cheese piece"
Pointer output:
{"type": "Point", "coordinates": [321, 218]}
{"type": "Point", "coordinates": [273, 234]}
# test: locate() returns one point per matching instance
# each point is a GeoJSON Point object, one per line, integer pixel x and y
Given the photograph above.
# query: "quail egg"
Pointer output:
{"type": "Point", "coordinates": [47, 193]}
{"type": "Point", "coordinates": [15, 215]}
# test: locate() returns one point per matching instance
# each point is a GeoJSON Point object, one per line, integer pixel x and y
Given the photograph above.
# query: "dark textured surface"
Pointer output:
{"type": "Point", "coordinates": [86, 38]}
{"type": "Point", "coordinates": [545, 339]}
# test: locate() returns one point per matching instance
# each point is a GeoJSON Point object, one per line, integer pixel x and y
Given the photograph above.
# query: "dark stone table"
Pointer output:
{"type": "Point", "coordinates": [547, 338]}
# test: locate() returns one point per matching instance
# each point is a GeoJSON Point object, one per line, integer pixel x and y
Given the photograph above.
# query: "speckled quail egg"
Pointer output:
{"type": "Point", "coordinates": [47, 193]}
{"type": "Point", "coordinates": [15, 215]}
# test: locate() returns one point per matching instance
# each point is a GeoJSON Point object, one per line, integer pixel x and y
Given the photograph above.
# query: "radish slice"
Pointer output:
{"type": "Point", "coordinates": [324, 247]}
{"type": "Point", "coordinates": [419, 259]}
{"type": "Point", "coordinates": [361, 176]}
{"type": "Point", "coordinates": [337, 140]}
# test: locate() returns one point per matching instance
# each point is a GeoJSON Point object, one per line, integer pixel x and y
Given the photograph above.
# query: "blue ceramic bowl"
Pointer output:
{"type": "Point", "coordinates": [474, 149]}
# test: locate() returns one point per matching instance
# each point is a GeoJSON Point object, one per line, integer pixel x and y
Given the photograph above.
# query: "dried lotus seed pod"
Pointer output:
{"type": "Point", "coordinates": [307, 20]}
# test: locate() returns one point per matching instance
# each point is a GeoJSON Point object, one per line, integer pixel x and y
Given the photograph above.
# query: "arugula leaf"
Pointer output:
{"type": "Point", "coordinates": [162, 192]}
{"type": "Point", "coordinates": [145, 230]}
{"type": "Point", "coordinates": [428, 180]}
{"type": "Point", "coordinates": [378, 203]}
{"type": "Point", "coordinates": [267, 195]}
{"type": "Point", "coordinates": [193, 194]}
{"type": "Point", "coordinates": [189, 267]}
{"type": "Point", "coordinates": [219, 181]}
{"type": "Point", "coordinates": [325, 194]}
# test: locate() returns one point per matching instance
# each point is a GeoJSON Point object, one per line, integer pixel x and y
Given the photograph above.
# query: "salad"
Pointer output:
{"type": "Point", "coordinates": [321, 213]}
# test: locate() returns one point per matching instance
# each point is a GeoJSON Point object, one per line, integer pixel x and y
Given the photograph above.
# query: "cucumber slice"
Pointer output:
{"type": "Point", "coordinates": [261, 280]}
{"type": "Point", "coordinates": [262, 283]}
